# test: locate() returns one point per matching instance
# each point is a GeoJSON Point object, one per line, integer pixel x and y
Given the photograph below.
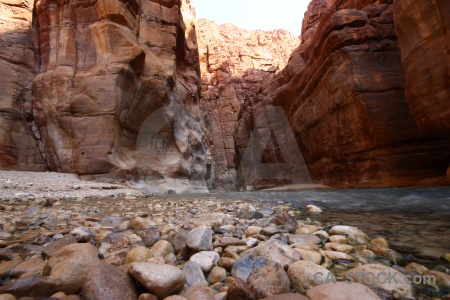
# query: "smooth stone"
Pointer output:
{"type": "Point", "coordinates": [338, 247]}
{"type": "Point", "coordinates": [442, 279]}
{"type": "Point", "coordinates": [179, 242]}
{"type": "Point", "coordinates": [339, 239]}
{"type": "Point", "coordinates": [380, 242]}
{"type": "Point", "coordinates": [287, 296]}
{"type": "Point", "coordinates": [416, 268]}
{"type": "Point", "coordinates": [353, 233]}
{"type": "Point", "coordinates": [367, 253]}
{"type": "Point", "coordinates": [334, 255]}
{"type": "Point", "coordinates": [148, 296]}
{"type": "Point", "coordinates": [7, 297]}
{"type": "Point", "coordinates": [141, 223]}
{"type": "Point", "coordinates": [194, 274]}
{"type": "Point", "coordinates": [311, 247]}
{"type": "Point", "coordinates": [268, 281]}
{"type": "Point", "coordinates": [51, 248]}
{"type": "Point", "coordinates": [58, 295]}
{"type": "Point", "coordinates": [199, 292]}
{"type": "Point", "coordinates": [105, 282]}
{"type": "Point", "coordinates": [245, 265]}
{"type": "Point", "coordinates": [7, 266]}
{"type": "Point", "coordinates": [228, 241]}
{"type": "Point", "coordinates": [275, 250]}
{"type": "Point", "coordinates": [227, 263]}
{"type": "Point", "coordinates": [82, 234]}
{"type": "Point", "coordinates": [138, 254]}
{"type": "Point", "coordinates": [270, 230]}
{"type": "Point", "coordinates": [401, 285]}
{"type": "Point", "coordinates": [175, 297]}
{"type": "Point", "coordinates": [205, 259]}
{"type": "Point", "coordinates": [34, 265]}
{"type": "Point", "coordinates": [322, 234]}
{"type": "Point", "coordinates": [342, 290]}
{"type": "Point", "coordinates": [149, 237]}
{"type": "Point", "coordinates": [305, 275]}
{"type": "Point", "coordinates": [200, 239]}
{"type": "Point", "coordinates": [159, 279]}
{"type": "Point", "coordinates": [70, 265]}
{"type": "Point", "coordinates": [252, 230]}
{"type": "Point", "coordinates": [390, 254]}
{"type": "Point", "coordinates": [238, 289]}
{"type": "Point", "coordinates": [217, 274]}
{"type": "Point", "coordinates": [311, 256]}
{"type": "Point", "coordinates": [161, 249]}
{"type": "Point", "coordinates": [35, 286]}
{"type": "Point", "coordinates": [312, 209]}
{"type": "Point", "coordinates": [301, 239]}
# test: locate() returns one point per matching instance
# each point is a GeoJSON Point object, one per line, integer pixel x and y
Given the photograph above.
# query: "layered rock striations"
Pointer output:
{"type": "Point", "coordinates": [18, 67]}
{"type": "Point", "coordinates": [234, 63]}
{"type": "Point", "coordinates": [115, 90]}
{"type": "Point", "coordinates": [343, 93]}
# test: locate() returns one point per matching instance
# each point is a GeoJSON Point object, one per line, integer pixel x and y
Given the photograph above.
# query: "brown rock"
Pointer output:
{"type": "Point", "coordinates": [35, 286]}
{"type": "Point", "coordinates": [138, 254]}
{"type": "Point", "coordinates": [268, 281]}
{"type": "Point", "coordinates": [159, 279]}
{"type": "Point", "coordinates": [199, 292]}
{"type": "Point", "coordinates": [33, 266]}
{"type": "Point", "coordinates": [342, 290]}
{"type": "Point", "coordinates": [148, 296]}
{"type": "Point", "coordinates": [238, 290]}
{"type": "Point", "coordinates": [287, 296]}
{"type": "Point", "coordinates": [7, 297]}
{"type": "Point", "coordinates": [353, 130]}
{"type": "Point", "coordinates": [7, 266]}
{"type": "Point", "coordinates": [70, 265]}
{"type": "Point", "coordinates": [54, 246]}
{"type": "Point", "coordinates": [108, 282]}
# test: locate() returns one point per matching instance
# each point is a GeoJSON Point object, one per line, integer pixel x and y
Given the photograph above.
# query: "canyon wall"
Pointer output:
{"type": "Point", "coordinates": [343, 92]}
{"type": "Point", "coordinates": [18, 67]}
{"type": "Point", "coordinates": [113, 90]}
{"type": "Point", "coordinates": [234, 63]}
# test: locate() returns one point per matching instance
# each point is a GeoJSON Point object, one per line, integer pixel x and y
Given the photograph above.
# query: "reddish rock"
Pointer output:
{"type": "Point", "coordinates": [234, 63]}
{"type": "Point", "coordinates": [344, 96]}
{"type": "Point", "coordinates": [18, 64]}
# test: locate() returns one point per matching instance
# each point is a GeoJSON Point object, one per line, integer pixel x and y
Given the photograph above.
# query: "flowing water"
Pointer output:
{"type": "Point", "coordinates": [414, 220]}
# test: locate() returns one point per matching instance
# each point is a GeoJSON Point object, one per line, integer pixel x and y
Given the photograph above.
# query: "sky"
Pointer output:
{"type": "Point", "coordinates": [254, 14]}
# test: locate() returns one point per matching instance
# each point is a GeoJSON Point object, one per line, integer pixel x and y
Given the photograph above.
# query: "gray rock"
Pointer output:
{"type": "Point", "coordinates": [200, 239]}
{"type": "Point", "coordinates": [245, 265]}
{"type": "Point", "coordinates": [106, 282]}
{"type": "Point", "coordinates": [275, 250]}
{"type": "Point", "coordinates": [205, 259]}
{"type": "Point", "coordinates": [301, 239]}
{"type": "Point", "coordinates": [194, 274]}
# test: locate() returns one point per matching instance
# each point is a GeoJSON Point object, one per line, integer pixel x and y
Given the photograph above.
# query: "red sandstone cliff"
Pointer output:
{"type": "Point", "coordinates": [343, 92]}
{"type": "Point", "coordinates": [234, 63]}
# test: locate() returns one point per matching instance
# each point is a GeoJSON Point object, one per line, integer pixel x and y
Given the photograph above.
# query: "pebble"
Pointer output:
{"type": "Point", "coordinates": [353, 233]}
{"type": "Point", "coordinates": [305, 275]}
{"type": "Point", "coordinates": [277, 251]}
{"type": "Point", "coordinates": [217, 274]}
{"type": "Point", "coordinates": [300, 239]}
{"type": "Point", "coordinates": [138, 254]}
{"type": "Point", "coordinates": [401, 285]}
{"type": "Point", "coordinates": [70, 265]}
{"type": "Point", "coordinates": [245, 265]}
{"type": "Point", "coordinates": [105, 282]}
{"type": "Point", "coordinates": [194, 274]}
{"type": "Point", "coordinates": [268, 281]}
{"type": "Point", "coordinates": [342, 290]}
{"type": "Point", "coordinates": [312, 209]}
{"type": "Point", "coordinates": [205, 259]}
{"type": "Point", "coordinates": [311, 256]}
{"type": "Point", "coordinates": [199, 292]}
{"type": "Point", "coordinates": [161, 249]}
{"type": "Point", "coordinates": [160, 279]}
{"type": "Point", "coordinates": [200, 239]}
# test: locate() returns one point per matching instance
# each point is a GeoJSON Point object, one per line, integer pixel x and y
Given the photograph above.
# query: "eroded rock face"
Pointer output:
{"type": "Point", "coordinates": [18, 148]}
{"type": "Point", "coordinates": [234, 63]}
{"type": "Point", "coordinates": [344, 96]}
{"type": "Point", "coordinates": [114, 84]}
{"type": "Point", "coordinates": [424, 39]}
